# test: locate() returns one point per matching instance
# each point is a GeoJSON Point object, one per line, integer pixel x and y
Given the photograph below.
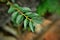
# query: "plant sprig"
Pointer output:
{"type": "Point", "coordinates": [20, 14]}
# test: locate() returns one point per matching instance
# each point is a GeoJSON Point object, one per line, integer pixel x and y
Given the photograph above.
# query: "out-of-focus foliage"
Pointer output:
{"type": "Point", "coordinates": [2, 0]}
{"type": "Point", "coordinates": [52, 6]}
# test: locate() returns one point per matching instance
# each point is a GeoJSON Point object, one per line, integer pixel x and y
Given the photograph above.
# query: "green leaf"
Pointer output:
{"type": "Point", "coordinates": [38, 20]}
{"type": "Point", "coordinates": [11, 9]}
{"type": "Point", "coordinates": [34, 15]}
{"type": "Point", "coordinates": [19, 19]}
{"type": "Point", "coordinates": [31, 15]}
{"type": "Point", "coordinates": [25, 23]}
{"type": "Point", "coordinates": [28, 14]}
{"type": "Point", "coordinates": [8, 3]}
{"type": "Point", "coordinates": [14, 15]}
{"type": "Point", "coordinates": [17, 6]}
{"type": "Point", "coordinates": [26, 9]}
{"type": "Point", "coordinates": [31, 26]}
{"type": "Point", "coordinates": [23, 9]}
{"type": "Point", "coordinates": [13, 1]}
